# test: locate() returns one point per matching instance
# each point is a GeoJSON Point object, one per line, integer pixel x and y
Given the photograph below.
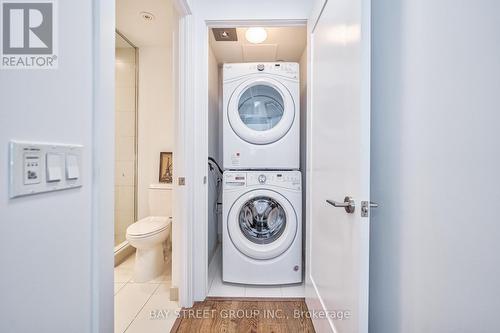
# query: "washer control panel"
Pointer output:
{"type": "Point", "coordinates": [284, 179]}
{"type": "Point", "coordinates": [234, 179]}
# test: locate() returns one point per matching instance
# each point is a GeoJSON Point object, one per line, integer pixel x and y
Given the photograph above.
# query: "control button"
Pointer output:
{"type": "Point", "coordinates": [262, 179]}
{"type": "Point", "coordinates": [72, 169]}
{"type": "Point", "coordinates": [260, 67]}
{"type": "Point", "coordinates": [54, 165]}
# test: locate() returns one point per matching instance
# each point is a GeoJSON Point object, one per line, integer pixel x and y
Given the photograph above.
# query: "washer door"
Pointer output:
{"type": "Point", "coordinates": [261, 111]}
{"type": "Point", "coordinates": [262, 224]}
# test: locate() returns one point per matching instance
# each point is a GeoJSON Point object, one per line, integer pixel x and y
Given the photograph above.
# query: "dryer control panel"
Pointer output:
{"type": "Point", "coordinates": [286, 69]}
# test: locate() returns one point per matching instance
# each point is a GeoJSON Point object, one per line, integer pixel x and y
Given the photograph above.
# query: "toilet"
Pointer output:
{"type": "Point", "coordinates": [149, 234]}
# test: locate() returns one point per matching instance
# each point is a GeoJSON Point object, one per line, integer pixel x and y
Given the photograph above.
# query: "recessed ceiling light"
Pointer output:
{"type": "Point", "coordinates": [256, 35]}
{"type": "Point", "coordinates": [147, 16]}
{"type": "Point", "coordinates": [225, 34]}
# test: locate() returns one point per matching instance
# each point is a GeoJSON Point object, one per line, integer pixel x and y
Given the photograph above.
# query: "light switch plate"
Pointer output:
{"type": "Point", "coordinates": [42, 167]}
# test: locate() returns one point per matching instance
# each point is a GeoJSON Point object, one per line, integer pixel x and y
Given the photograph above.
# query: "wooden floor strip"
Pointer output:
{"type": "Point", "coordinates": [244, 315]}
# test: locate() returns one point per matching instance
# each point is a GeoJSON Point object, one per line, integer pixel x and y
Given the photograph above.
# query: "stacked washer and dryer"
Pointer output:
{"type": "Point", "coordinates": [262, 193]}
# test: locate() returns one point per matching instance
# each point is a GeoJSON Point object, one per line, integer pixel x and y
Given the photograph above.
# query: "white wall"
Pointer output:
{"type": "Point", "coordinates": [213, 149]}
{"type": "Point", "coordinates": [156, 118]}
{"type": "Point", "coordinates": [221, 119]}
{"type": "Point", "coordinates": [213, 107]}
{"type": "Point", "coordinates": [45, 248]}
{"type": "Point", "coordinates": [253, 10]}
{"type": "Point", "coordinates": [303, 138]}
{"type": "Point", "coordinates": [435, 163]}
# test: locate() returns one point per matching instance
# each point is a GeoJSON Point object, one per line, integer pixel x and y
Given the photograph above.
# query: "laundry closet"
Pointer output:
{"type": "Point", "coordinates": [257, 114]}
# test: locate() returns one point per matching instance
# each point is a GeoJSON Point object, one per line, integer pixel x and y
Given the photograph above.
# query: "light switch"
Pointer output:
{"type": "Point", "coordinates": [38, 167]}
{"type": "Point", "coordinates": [54, 166]}
{"type": "Point", "coordinates": [72, 170]}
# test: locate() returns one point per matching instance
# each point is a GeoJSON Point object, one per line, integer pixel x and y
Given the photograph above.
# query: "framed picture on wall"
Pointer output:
{"type": "Point", "coordinates": [166, 167]}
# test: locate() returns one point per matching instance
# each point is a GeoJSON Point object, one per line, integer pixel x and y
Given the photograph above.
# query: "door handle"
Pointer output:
{"type": "Point", "coordinates": [349, 205]}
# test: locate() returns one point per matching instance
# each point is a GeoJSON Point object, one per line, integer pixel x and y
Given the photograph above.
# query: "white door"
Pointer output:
{"type": "Point", "coordinates": [339, 165]}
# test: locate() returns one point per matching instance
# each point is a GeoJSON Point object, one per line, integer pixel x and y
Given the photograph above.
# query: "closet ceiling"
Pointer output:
{"type": "Point", "coordinates": [282, 43]}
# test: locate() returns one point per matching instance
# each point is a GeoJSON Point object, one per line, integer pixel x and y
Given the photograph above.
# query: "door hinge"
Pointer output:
{"type": "Point", "coordinates": [181, 181]}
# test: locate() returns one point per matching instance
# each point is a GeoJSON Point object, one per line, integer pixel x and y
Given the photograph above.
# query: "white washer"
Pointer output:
{"type": "Point", "coordinates": [262, 228]}
{"type": "Point", "coordinates": [261, 127]}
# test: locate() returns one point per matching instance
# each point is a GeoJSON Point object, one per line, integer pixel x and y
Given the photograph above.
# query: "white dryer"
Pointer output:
{"type": "Point", "coordinates": [262, 228]}
{"type": "Point", "coordinates": [261, 126]}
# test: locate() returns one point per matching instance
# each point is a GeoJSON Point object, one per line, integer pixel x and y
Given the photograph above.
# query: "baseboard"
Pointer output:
{"type": "Point", "coordinates": [315, 302]}
{"type": "Point", "coordinates": [122, 252]}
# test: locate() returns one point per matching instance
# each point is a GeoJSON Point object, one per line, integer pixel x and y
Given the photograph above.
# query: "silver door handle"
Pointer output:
{"type": "Point", "coordinates": [349, 205]}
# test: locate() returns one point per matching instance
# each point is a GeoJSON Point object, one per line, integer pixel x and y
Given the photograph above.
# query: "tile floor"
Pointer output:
{"type": "Point", "coordinates": [135, 302]}
{"type": "Point", "coordinates": [222, 289]}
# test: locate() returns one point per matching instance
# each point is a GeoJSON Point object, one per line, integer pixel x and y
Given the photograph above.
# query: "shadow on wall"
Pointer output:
{"type": "Point", "coordinates": [387, 91]}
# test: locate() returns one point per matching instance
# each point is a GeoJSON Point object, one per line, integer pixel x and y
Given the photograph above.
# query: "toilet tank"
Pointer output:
{"type": "Point", "coordinates": [160, 200]}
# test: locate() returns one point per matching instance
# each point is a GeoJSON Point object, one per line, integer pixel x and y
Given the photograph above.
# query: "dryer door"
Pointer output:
{"type": "Point", "coordinates": [261, 110]}
{"type": "Point", "coordinates": [262, 224]}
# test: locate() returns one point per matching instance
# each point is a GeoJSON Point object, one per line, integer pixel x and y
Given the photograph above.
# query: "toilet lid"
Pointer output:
{"type": "Point", "coordinates": [148, 225]}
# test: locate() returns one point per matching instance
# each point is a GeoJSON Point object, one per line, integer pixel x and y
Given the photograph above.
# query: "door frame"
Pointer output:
{"type": "Point", "coordinates": [182, 264]}
{"type": "Point", "coordinates": [103, 164]}
{"type": "Point", "coordinates": [103, 119]}
{"type": "Point", "coordinates": [310, 289]}
{"type": "Point", "coordinates": [197, 251]}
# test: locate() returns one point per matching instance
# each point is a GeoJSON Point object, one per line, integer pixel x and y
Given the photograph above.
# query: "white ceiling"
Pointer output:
{"type": "Point", "coordinates": [140, 32]}
{"type": "Point", "coordinates": [282, 43]}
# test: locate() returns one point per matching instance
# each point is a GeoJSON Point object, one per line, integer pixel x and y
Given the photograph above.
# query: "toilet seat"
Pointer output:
{"type": "Point", "coordinates": [148, 226]}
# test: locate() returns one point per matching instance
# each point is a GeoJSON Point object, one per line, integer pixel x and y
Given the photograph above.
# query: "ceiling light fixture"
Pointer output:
{"type": "Point", "coordinates": [147, 16]}
{"type": "Point", "coordinates": [225, 34]}
{"type": "Point", "coordinates": [256, 35]}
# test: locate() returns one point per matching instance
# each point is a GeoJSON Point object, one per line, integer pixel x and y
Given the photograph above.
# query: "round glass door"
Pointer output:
{"type": "Point", "coordinates": [261, 107]}
{"type": "Point", "coordinates": [262, 224]}
{"type": "Point", "coordinates": [262, 220]}
{"type": "Point", "coordinates": [261, 110]}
